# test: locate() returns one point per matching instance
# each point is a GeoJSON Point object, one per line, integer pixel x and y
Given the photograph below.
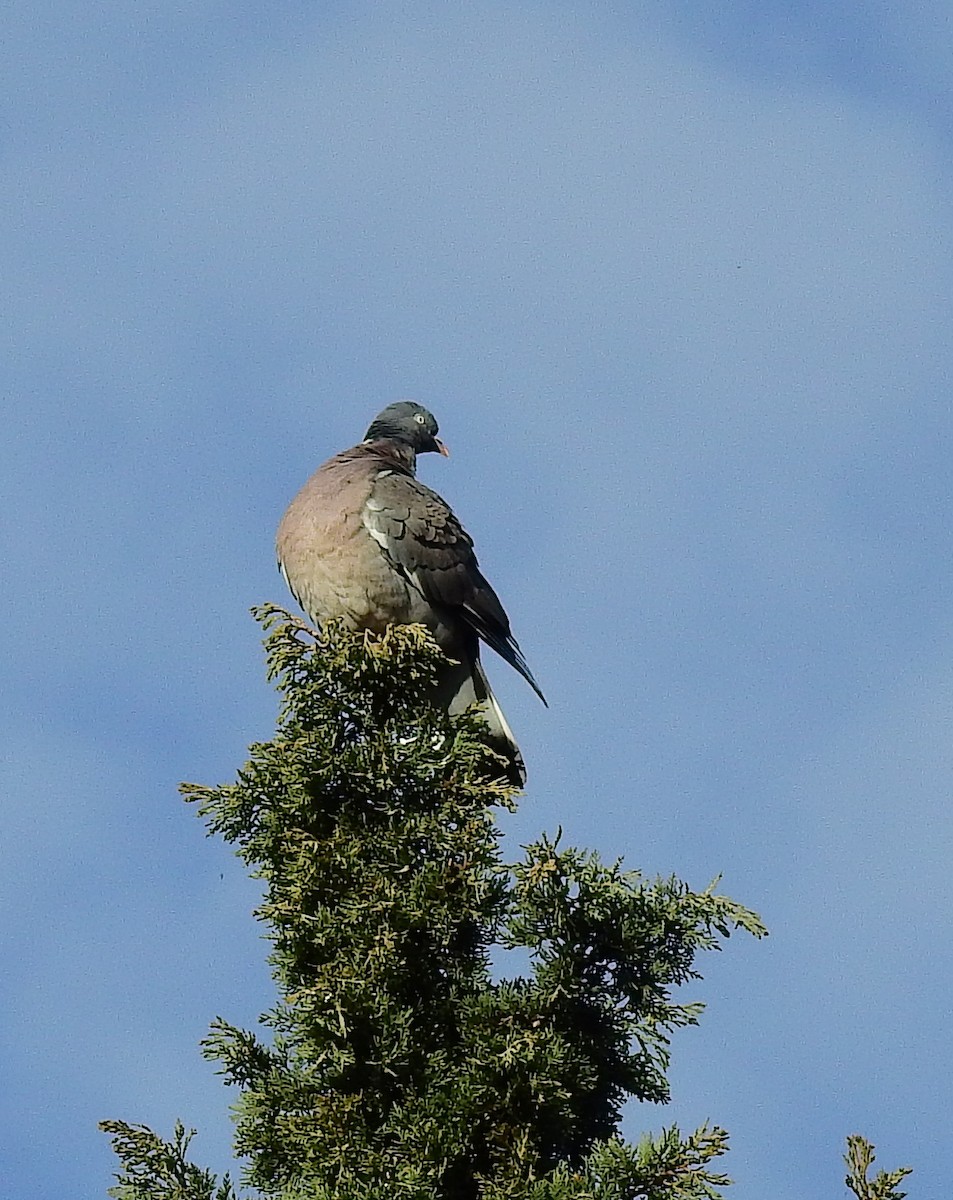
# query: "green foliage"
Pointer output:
{"type": "Point", "coordinates": [860, 1158]}
{"type": "Point", "coordinates": [157, 1170]}
{"type": "Point", "coordinates": [394, 1063]}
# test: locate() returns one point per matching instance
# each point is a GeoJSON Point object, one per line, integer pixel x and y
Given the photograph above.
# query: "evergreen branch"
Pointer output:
{"type": "Point", "coordinates": [152, 1169]}
{"type": "Point", "coordinates": [859, 1159]}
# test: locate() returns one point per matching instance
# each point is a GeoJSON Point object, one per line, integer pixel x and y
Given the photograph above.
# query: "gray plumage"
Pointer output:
{"type": "Point", "coordinates": [365, 541]}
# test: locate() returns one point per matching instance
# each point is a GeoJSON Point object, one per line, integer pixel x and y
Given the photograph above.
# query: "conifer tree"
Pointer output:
{"type": "Point", "coordinates": [395, 1064]}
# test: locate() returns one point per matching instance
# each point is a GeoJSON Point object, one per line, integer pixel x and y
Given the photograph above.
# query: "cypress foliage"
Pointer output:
{"type": "Point", "coordinates": [395, 1064]}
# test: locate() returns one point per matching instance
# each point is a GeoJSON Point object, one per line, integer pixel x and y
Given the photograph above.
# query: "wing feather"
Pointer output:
{"type": "Point", "coordinates": [421, 536]}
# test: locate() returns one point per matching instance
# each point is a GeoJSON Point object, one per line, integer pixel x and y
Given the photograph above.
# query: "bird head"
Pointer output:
{"type": "Point", "coordinates": [408, 423]}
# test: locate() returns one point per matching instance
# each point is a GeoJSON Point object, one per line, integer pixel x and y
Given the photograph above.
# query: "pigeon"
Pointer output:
{"type": "Point", "coordinates": [366, 542]}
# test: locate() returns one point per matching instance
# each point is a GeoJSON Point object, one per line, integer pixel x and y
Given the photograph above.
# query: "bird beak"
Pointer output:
{"type": "Point", "coordinates": [442, 448]}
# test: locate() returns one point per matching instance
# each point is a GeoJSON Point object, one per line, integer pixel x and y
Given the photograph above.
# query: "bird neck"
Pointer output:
{"type": "Point", "coordinates": [398, 453]}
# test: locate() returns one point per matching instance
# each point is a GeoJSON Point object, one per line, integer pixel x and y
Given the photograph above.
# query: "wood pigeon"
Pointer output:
{"type": "Point", "coordinates": [365, 541]}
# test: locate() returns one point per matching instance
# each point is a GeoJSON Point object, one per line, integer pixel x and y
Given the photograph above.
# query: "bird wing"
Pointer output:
{"type": "Point", "coordinates": [422, 538]}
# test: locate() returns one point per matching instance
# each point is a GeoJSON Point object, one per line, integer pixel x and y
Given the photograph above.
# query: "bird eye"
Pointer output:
{"type": "Point", "coordinates": [419, 418]}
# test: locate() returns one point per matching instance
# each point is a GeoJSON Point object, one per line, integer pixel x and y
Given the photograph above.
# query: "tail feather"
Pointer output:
{"type": "Point", "coordinates": [500, 728]}
{"type": "Point", "coordinates": [466, 684]}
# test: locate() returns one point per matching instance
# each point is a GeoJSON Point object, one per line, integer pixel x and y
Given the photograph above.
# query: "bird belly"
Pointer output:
{"type": "Point", "coordinates": [335, 571]}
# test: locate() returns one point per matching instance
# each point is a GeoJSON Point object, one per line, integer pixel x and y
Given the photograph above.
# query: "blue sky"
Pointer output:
{"type": "Point", "coordinates": [676, 282]}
